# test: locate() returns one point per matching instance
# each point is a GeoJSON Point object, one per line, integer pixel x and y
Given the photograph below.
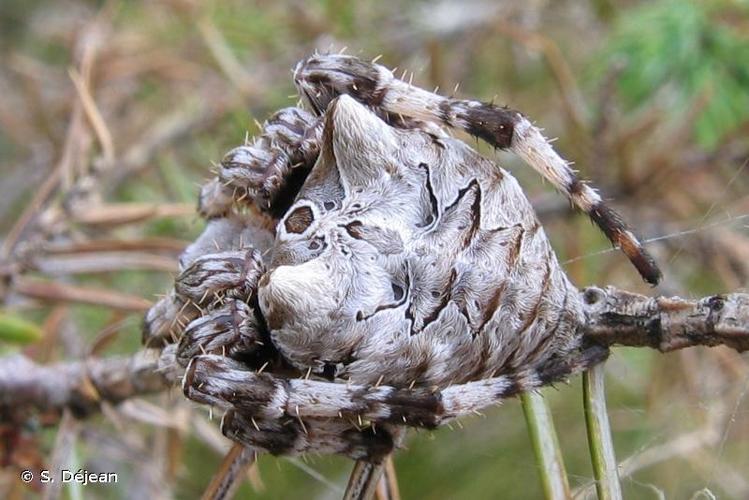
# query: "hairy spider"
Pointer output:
{"type": "Point", "coordinates": [362, 270]}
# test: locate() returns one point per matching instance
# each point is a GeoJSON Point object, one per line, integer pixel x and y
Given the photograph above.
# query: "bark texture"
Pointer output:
{"type": "Point", "coordinates": [617, 317]}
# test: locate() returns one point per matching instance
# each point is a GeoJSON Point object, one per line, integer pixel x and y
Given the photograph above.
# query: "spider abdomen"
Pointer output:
{"type": "Point", "coordinates": [430, 268]}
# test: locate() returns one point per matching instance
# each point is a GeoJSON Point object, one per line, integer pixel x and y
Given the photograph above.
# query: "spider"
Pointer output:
{"type": "Point", "coordinates": [362, 270]}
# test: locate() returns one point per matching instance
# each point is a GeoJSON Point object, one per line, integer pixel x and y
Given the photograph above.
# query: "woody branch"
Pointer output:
{"type": "Point", "coordinates": [618, 317]}
{"type": "Point", "coordinates": [612, 317]}
{"type": "Point", "coordinates": [80, 386]}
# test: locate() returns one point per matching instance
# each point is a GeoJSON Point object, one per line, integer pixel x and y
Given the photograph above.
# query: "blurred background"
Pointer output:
{"type": "Point", "coordinates": [112, 113]}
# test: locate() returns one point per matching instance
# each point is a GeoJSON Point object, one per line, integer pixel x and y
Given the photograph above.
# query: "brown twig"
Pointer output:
{"type": "Point", "coordinates": [227, 478]}
{"type": "Point", "coordinates": [612, 317]}
{"type": "Point", "coordinates": [80, 386]}
{"type": "Point", "coordinates": [618, 317]}
{"type": "Point", "coordinates": [170, 245]}
{"type": "Point", "coordinates": [102, 262]}
{"type": "Point", "coordinates": [61, 292]}
{"type": "Point", "coordinates": [113, 214]}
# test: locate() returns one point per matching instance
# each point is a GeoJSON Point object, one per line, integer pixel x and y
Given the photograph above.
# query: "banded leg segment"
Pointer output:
{"type": "Point", "coordinates": [322, 78]}
{"type": "Point", "coordinates": [272, 168]}
{"type": "Point", "coordinates": [227, 384]}
{"type": "Point", "coordinates": [222, 265]}
{"type": "Point", "coordinates": [297, 436]}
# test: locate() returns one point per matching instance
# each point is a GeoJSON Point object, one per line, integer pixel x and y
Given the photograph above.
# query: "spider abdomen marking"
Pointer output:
{"type": "Point", "coordinates": [479, 289]}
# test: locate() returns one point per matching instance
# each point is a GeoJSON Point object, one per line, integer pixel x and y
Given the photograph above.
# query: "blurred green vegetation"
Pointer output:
{"type": "Point", "coordinates": [691, 55]}
{"type": "Point", "coordinates": [16, 330]}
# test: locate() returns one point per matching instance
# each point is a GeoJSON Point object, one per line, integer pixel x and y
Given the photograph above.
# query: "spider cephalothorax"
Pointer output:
{"type": "Point", "coordinates": [407, 270]}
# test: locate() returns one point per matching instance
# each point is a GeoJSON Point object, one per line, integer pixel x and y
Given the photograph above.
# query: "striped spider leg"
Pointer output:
{"type": "Point", "coordinates": [292, 416]}
{"type": "Point", "coordinates": [321, 78]}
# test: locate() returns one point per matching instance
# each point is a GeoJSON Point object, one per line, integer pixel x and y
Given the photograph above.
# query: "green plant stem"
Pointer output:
{"type": "Point", "coordinates": [545, 446]}
{"type": "Point", "coordinates": [603, 458]}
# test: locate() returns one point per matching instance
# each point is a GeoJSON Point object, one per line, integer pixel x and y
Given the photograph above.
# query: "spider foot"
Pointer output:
{"type": "Point", "coordinates": [197, 288]}
{"type": "Point", "coordinates": [234, 273]}
{"type": "Point", "coordinates": [166, 319]}
{"type": "Point", "coordinates": [271, 170]}
{"type": "Point", "coordinates": [232, 329]}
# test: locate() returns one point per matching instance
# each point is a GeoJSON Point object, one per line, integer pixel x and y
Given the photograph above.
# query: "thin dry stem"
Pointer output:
{"type": "Point", "coordinates": [229, 474]}
{"type": "Point", "coordinates": [60, 292]}
{"type": "Point", "coordinates": [94, 115]}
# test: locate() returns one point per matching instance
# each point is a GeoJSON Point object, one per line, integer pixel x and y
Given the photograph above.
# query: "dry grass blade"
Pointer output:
{"type": "Point", "coordinates": [684, 445]}
{"type": "Point", "coordinates": [74, 138]}
{"type": "Point", "coordinates": [60, 292]}
{"type": "Point", "coordinates": [388, 489]}
{"type": "Point", "coordinates": [114, 214]}
{"type": "Point", "coordinates": [102, 262]}
{"type": "Point", "coordinates": [67, 434]}
{"type": "Point", "coordinates": [30, 212]}
{"type": "Point", "coordinates": [166, 131]}
{"type": "Point", "coordinates": [170, 245]}
{"type": "Point", "coordinates": [94, 116]}
{"type": "Point", "coordinates": [363, 481]}
{"type": "Point", "coordinates": [226, 60]}
{"type": "Point", "coordinates": [144, 411]}
{"type": "Point", "coordinates": [231, 471]}
{"type": "Point", "coordinates": [365, 477]}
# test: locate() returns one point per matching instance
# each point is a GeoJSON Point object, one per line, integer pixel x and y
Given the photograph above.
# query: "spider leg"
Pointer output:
{"type": "Point", "coordinates": [211, 276]}
{"type": "Point", "coordinates": [295, 436]}
{"type": "Point", "coordinates": [270, 170]}
{"type": "Point", "coordinates": [232, 329]}
{"type": "Point", "coordinates": [322, 78]}
{"type": "Point", "coordinates": [165, 320]}
{"type": "Point", "coordinates": [224, 383]}
{"type": "Point", "coordinates": [279, 433]}
{"type": "Point", "coordinates": [207, 275]}
{"type": "Point", "coordinates": [215, 199]}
